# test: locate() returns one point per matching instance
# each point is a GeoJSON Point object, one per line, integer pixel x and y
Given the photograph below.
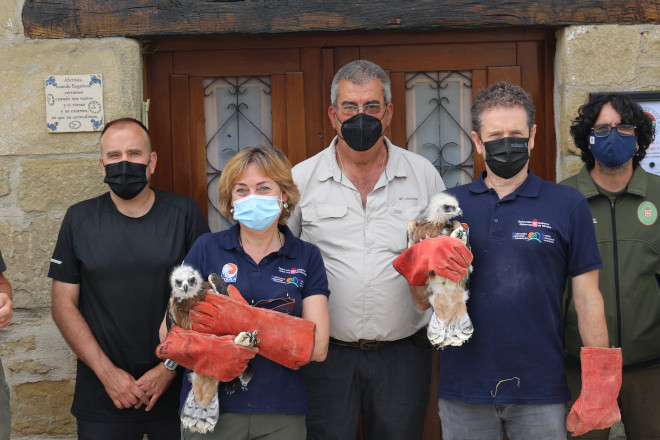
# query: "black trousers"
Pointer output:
{"type": "Point", "coordinates": [167, 429]}
{"type": "Point", "coordinates": [388, 387]}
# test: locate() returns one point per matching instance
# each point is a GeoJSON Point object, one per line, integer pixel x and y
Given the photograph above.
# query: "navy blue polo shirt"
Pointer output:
{"type": "Point", "coordinates": [524, 247]}
{"type": "Point", "coordinates": [296, 270]}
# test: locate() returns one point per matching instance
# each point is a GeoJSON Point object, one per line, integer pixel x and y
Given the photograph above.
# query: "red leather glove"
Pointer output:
{"type": "Point", "coordinates": [209, 355]}
{"type": "Point", "coordinates": [444, 256]}
{"type": "Point", "coordinates": [596, 408]}
{"type": "Point", "coordinates": [284, 339]}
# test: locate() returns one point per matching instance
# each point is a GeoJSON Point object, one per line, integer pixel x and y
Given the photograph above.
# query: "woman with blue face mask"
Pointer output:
{"type": "Point", "coordinates": [273, 270]}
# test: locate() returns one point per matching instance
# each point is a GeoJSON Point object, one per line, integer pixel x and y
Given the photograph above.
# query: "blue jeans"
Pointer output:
{"type": "Point", "coordinates": [474, 421]}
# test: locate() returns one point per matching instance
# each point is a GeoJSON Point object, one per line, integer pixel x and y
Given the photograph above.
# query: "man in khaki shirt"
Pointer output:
{"type": "Point", "coordinates": [357, 197]}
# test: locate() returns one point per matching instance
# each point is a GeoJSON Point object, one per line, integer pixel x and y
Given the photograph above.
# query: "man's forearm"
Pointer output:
{"type": "Point", "coordinates": [591, 323]}
{"type": "Point", "coordinates": [79, 337]}
{"type": "Point", "coordinates": [590, 310]}
{"type": "Point", "coordinates": [6, 303]}
{"type": "Point", "coordinates": [5, 286]}
{"type": "Point", "coordinates": [420, 297]}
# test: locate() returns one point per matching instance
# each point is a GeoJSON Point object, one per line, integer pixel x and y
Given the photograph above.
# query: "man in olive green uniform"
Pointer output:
{"type": "Point", "coordinates": [614, 133]}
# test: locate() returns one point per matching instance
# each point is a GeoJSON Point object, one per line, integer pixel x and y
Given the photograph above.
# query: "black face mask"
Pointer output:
{"type": "Point", "coordinates": [126, 179]}
{"type": "Point", "coordinates": [361, 131]}
{"type": "Point", "coordinates": [507, 156]}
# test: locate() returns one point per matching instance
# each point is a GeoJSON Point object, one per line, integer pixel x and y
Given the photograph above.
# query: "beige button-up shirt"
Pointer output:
{"type": "Point", "coordinates": [368, 298]}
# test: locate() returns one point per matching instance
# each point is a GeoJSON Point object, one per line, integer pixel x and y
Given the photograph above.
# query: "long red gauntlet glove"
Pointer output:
{"type": "Point", "coordinates": [209, 355]}
{"type": "Point", "coordinates": [596, 408]}
{"type": "Point", "coordinates": [286, 340]}
{"type": "Point", "coordinates": [444, 256]}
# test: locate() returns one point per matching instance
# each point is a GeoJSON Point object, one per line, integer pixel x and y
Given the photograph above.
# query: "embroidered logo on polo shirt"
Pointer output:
{"type": "Point", "coordinates": [293, 280]}
{"type": "Point", "coordinates": [292, 271]}
{"type": "Point", "coordinates": [229, 272]}
{"type": "Point", "coordinates": [534, 223]}
{"type": "Point", "coordinates": [288, 280]}
{"type": "Point", "coordinates": [533, 236]}
{"type": "Point", "coordinates": [647, 213]}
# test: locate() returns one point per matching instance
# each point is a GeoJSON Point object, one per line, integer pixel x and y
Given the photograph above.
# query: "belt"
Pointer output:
{"type": "Point", "coordinates": [362, 344]}
{"type": "Point", "coordinates": [373, 345]}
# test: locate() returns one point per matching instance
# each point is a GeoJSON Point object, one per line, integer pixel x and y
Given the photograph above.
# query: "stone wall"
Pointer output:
{"type": "Point", "coordinates": [41, 174]}
{"type": "Point", "coordinates": [599, 59]}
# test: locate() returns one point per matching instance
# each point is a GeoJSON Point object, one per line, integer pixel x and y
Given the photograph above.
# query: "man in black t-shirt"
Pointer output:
{"type": "Point", "coordinates": [110, 273]}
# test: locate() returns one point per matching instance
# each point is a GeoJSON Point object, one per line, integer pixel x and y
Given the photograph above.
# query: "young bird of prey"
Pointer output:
{"type": "Point", "coordinates": [450, 323]}
{"type": "Point", "coordinates": [201, 410]}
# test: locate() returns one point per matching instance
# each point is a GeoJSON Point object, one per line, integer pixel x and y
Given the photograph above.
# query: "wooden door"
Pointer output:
{"type": "Point", "coordinates": [301, 67]}
{"type": "Point", "coordinates": [525, 63]}
{"type": "Point", "coordinates": [176, 117]}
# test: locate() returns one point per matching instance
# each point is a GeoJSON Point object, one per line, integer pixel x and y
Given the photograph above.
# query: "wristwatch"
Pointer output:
{"type": "Point", "coordinates": [170, 364]}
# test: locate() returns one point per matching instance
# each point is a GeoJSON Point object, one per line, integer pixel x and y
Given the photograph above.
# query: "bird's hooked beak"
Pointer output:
{"type": "Point", "coordinates": [185, 287]}
{"type": "Point", "coordinates": [460, 212]}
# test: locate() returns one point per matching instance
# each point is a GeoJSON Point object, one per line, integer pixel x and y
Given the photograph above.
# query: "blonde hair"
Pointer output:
{"type": "Point", "coordinates": [272, 163]}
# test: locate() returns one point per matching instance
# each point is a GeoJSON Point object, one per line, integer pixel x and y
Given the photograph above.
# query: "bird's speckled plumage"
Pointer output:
{"type": "Point", "coordinates": [201, 409]}
{"type": "Point", "coordinates": [450, 323]}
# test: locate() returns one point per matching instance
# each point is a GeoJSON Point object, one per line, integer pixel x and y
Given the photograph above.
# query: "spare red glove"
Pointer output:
{"type": "Point", "coordinates": [444, 256]}
{"type": "Point", "coordinates": [596, 408]}
{"type": "Point", "coordinates": [284, 339]}
{"type": "Point", "coordinates": [209, 355]}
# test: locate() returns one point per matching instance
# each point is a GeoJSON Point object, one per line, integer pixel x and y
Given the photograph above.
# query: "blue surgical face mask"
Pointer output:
{"type": "Point", "coordinates": [613, 150]}
{"type": "Point", "coordinates": [257, 212]}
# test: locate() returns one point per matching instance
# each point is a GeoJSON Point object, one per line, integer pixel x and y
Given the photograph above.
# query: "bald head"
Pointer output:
{"type": "Point", "coordinates": [126, 124]}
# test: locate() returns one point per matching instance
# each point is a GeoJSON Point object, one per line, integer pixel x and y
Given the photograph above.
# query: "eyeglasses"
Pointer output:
{"type": "Point", "coordinates": [622, 129]}
{"type": "Point", "coordinates": [352, 110]}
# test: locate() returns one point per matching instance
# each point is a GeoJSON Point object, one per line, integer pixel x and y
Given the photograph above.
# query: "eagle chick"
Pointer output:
{"type": "Point", "coordinates": [201, 409]}
{"type": "Point", "coordinates": [450, 323]}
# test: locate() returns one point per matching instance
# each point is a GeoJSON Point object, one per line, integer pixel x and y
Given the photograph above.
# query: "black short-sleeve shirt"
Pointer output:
{"type": "Point", "coordinates": [122, 265]}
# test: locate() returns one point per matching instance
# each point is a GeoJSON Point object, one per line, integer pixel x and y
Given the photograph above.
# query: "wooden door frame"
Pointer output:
{"type": "Point", "coordinates": [307, 64]}
{"type": "Point", "coordinates": [145, 18]}
{"type": "Point", "coordinates": [320, 56]}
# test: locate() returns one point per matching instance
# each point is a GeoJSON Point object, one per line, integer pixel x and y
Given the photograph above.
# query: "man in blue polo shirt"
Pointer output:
{"type": "Point", "coordinates": [527, 235]}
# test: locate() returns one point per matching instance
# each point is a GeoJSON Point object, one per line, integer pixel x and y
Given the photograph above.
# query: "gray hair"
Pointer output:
{"type": "Point", "coordinates": [501, 94]}
{"type": "Point", "coordinates": [360, 72]}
